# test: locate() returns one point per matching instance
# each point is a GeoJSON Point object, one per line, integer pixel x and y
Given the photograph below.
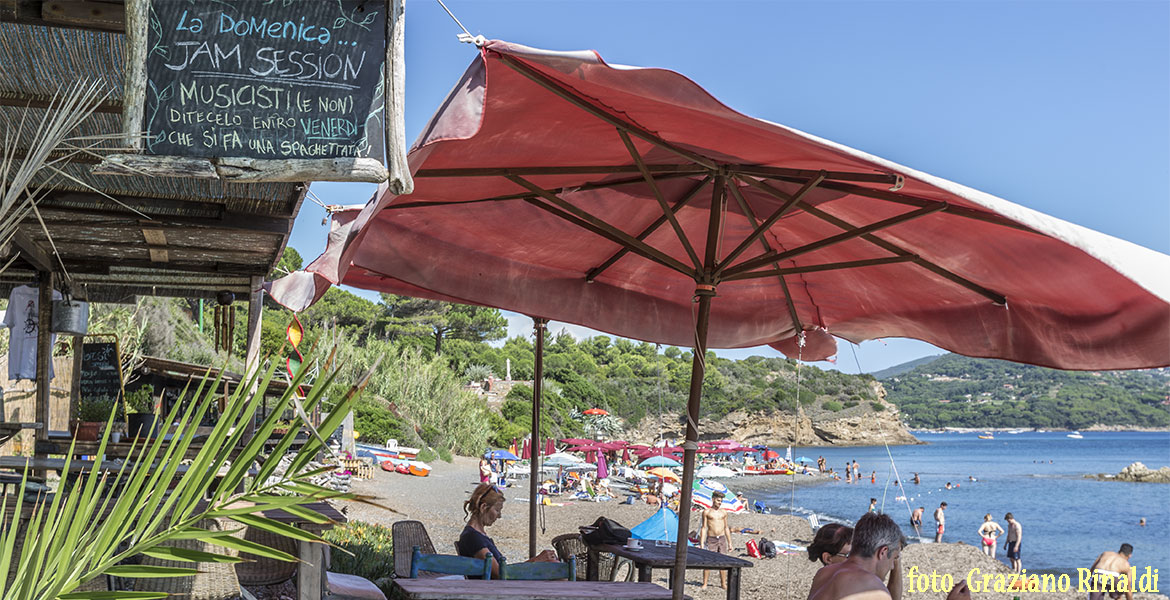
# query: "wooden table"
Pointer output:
{"type": "Point", "coordinates": [652, 557]}
{"type": "Point", "coordinates": [476, 589]}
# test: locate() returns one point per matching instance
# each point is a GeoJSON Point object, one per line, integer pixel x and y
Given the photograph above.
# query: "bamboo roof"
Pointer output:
{"type": "Point", "coordinates": [193, 238]}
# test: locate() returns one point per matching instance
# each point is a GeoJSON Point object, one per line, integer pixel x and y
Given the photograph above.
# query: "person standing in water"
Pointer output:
{"type": "Point", "coordinates": [1015, 535]}
{"type": "Point", "coordinates": [989, 533]}
{"type": "Point", "coordinates": [873, 505]}
{"type": "Point", "coordinates": [940, 519]}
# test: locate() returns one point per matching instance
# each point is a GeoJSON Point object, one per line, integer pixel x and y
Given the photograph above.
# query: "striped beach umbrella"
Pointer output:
{"type": "Point", "coordinates": [703, 489]}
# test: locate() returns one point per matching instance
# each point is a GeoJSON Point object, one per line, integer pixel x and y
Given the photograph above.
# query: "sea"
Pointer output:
{"type": "Point", "coordinates": [1067, 519]}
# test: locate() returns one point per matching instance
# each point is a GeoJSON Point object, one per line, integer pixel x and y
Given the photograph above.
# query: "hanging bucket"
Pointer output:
{"type": "Point", "coordinates": [70, 316]}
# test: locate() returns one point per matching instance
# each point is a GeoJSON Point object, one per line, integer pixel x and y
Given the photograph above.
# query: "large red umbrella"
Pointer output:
{"type": "Point", "coordinates": [619, 198]}
{"type": "Point", "coordinates": [578, 441]}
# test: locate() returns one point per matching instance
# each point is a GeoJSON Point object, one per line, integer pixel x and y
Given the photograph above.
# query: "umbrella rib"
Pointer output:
{"type": "Point", "coordinates": [690, 195]}
{"type": "Point", "coordinates": [769, 222]}
{"type": "Point", "coordinates": [804, 174]}
{"type": "Point", "coordinates": [556, 88]}
{"type": "Point", "coordinates": [561, 170]}
{"type": "Point", "coordinates": [844, 236]}
{"type": "Point", "coordinates": [751, 215]}
{"type": "Point", "coordinates": [561, 190]}
{"type": "Point", "coordinates": [958, 211]}
{"type": "Point", "coordinates": [889, 260]}
{"type": "Point", "coordinates": [596, 225]}
{"type": "Point", "coordinates": [674, 224]}
{"type": "Point", "coordinates": [992, 295]}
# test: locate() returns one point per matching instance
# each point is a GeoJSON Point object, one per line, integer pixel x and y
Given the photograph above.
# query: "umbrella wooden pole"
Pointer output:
{"type": "Point", "coordinates": [698, 369]}
{"type": "Point", "coordinates": [538, 326]}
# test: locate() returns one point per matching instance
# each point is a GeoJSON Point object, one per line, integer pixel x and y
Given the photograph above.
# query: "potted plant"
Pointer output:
{"type": "Point", "coordinates": [92, 413]}
{"type": "Point", "coordinates": [141, 417]}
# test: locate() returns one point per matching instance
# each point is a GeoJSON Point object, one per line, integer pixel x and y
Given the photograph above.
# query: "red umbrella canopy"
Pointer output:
{"type": "Point", "coordinates": [588, 192]}
{"type": "Point", "coordinates": [583, 448]}
{"type": "Point", "coordinates": [596, 412]}
{"type": "Point", "coordinates": [770, 454]}
{"type": "Point", "coordinates": [578, 441]}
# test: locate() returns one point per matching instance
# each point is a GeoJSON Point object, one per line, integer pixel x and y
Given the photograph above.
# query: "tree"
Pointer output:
{"type": "Point", "coordinates": [419, 317]}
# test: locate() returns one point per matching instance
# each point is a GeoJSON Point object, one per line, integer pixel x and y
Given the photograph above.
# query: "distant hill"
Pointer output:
{"type": "Point", "coordinates": [957, 391]}
{"type": "Point", "coordinates": [904, 367]}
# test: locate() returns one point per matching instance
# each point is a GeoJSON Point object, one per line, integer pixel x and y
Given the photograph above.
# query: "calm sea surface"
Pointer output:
{"type": "Point", "coordinates": [1067, 520]}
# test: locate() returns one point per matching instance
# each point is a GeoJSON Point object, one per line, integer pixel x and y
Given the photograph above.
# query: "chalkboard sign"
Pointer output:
{"type": "Point", "coordinates": [265, 79]}
{"type": "Point", "coordinates": [101, 371]}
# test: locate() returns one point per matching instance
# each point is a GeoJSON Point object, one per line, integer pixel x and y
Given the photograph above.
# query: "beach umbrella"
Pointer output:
{"type": "Point", "coordinates": [663, 473]}
{"type": "Point", "coordinates": [770, 454]}
{"type": "Point", "coordinates": [602, 468]}
{"type": "Point", "coordinates": [595, 412]}
{"type": "Point", "coordinates": [803, 459]}
{"type": "Point", "coordinates": [578, 442]}
{"type": "Point", "coordinates": [526, 450]}
{"type": "Point", "coordinates": [626, 455]}
{"type": "Point", "coordinates": [588, 448]}
{"type": "Point", "coordinates": [714, 471]}
{"type": "Point", "coordinates": [659, 461]}
{"type": "Point", "coordinates": [561, 459]}
{"type": "Point", "coordinates": [549, 447]}
{"type": "Point", "coordinates": [501, 455]}
{"type": "Point", "coordinates": [630, 201]}
{"type": "Point", "coordinates": [703, 489]}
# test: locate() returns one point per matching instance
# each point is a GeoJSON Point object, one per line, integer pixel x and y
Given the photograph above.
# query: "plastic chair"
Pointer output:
{"type": "Point", "coordinates": [532, 571]}
{"type": "Point", "coordinates": [449, 565]}
{"type": "Point", "coordinates": [408, 534]}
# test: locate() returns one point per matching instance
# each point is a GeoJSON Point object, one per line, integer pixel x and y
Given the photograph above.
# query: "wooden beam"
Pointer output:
{"type": "Point", "coordinates": [853, 264]}
{"type": "Point", "coordinates": [23, 101]}
{"type": "Point", "coordinates": [222, 218]}
{"type": "Point", "coordinates": [159, 255]}
{"type": "Point", "coordinates": [606, 230]}
{"type": "Point", "coordinates": [609, 262]}
{"type": "Point", "coordinates": [89, 266]}
{"type": "Point", "coordinates": [568, 95]}
{"type": "Point", "coordinates": [763, 259]}
{"type": "Point", "coordinates": [759, 230]}
{"type": "Point", "coordinates": [105, 16]}
{"type": "Point", "coordinates": [44, 352]}
{"type": "Point", "coordinates": [666, 210]}
{"type": "Point", "coordinates": [155, 237]}
{"type": "Point", "coordinates": [31, 251]}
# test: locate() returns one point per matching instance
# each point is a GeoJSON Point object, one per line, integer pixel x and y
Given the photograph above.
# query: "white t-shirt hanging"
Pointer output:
{"type": "Point", "coordinates": [21, 319]}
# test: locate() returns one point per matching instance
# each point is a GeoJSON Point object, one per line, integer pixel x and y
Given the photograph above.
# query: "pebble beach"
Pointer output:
{"type": "Point", "coordinates": [437, 501]}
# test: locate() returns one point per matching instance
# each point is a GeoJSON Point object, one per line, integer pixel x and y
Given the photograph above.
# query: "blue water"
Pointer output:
{"type": "Point", "coordinates": [1067, 520]}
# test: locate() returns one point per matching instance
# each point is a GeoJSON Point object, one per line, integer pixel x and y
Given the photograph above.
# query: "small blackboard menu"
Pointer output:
{"type": "Point", "coordinates": [101, 370]}
{"type": "Point", "coordinates": [267, 79]}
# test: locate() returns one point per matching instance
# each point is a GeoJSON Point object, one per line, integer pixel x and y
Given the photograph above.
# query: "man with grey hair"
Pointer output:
{"type": "Point", "coordinates": [876, 556]}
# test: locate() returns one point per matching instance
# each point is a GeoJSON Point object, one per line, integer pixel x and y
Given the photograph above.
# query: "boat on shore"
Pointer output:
{"type": "Point", "coordinates": [381, 454]}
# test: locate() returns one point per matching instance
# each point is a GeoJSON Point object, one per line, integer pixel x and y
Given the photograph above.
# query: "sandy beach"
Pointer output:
{"type": "Point", "coordinates": [437, 501]}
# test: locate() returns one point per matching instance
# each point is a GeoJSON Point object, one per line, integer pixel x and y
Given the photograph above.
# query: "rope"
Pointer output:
{"type": "Point", "coordinates": [792, 478]}
{"type": "Point", "coordinates": [466, 36]}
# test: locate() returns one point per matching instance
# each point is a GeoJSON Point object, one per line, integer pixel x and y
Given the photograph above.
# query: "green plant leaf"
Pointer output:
{"type": "Point", "coordinates": [187, 555]}
{"type": "Point", "coordinates": [150, 571]}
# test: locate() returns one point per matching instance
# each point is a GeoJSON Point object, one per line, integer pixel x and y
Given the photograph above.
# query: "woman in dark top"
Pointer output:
{"type": "Point", "coordinates": [831, 544]}
{"type": "Point", "coordinates": [482, 509]}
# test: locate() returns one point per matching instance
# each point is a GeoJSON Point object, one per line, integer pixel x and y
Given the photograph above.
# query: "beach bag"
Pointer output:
{"type": "Point", "coordinates": [606, 531]}
{"type": "Point", "coordinates": [767, 548]}
{"type": "Point", "coordinates": [753, 549]}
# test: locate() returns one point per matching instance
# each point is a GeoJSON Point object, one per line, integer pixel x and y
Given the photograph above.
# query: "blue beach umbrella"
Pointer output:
{"type": "Point", "coordinates": [659, 461]}
{"type": "Point", "coordinates": [803, 459]}
{"type": "Point", "coordinates": [501, 455]}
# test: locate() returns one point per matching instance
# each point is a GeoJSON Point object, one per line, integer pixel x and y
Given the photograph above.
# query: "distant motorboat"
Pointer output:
{"type": "Point", "coordinates": [1017, 431]}
{"type": "Point", "coordinates": [986, 436]}
{"type": "Point", "coordinates": [1076, 435]}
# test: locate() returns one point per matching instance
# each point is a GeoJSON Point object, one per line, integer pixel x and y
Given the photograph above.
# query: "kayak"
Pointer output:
{"type": "Point", "coordinates": [419, 469]}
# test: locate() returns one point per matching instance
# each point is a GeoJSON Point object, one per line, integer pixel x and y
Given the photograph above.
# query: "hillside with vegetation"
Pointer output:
{"type": "Point", "coordinates": [957, 391]}
{"type": "Point", "coordinates": [433, 355]}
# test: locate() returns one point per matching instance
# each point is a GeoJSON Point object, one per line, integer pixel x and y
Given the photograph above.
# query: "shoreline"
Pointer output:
{"type": "Point", "coordinates": [1093, 428]}
{"type": "Point", "coordinates": [437, 502]}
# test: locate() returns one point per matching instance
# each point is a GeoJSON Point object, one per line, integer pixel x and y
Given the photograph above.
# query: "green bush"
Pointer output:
{"type": "Point", "coordinates": [849, 404]}
{"type": "Point", "coordinates": [445, 455]}
{"type": "Point", "coordinates": [427, 455]}
{"type": "Point", "coordinates": [363, 549]}
{"type": "Point", "coordinates": [877, 406]}
{"type": "Point", "coordinates": [141, 400]}
{"type": "Point", "coordinates": [831, 406]}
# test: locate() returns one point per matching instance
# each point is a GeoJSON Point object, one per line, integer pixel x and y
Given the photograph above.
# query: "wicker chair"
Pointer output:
{"type": "Point", "coordinates": [407, 535]}
{"type": "Point", "coordinates": [266, 571]}
{"type": "Point", "coordinates": [215, 581]}
{"type": "Point", "coordinates": [571, 544]}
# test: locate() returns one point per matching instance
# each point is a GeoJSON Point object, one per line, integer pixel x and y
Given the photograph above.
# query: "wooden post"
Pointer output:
{"type": "Point", "coordinates": [44, 353]}
{"type": "Point", "coordinates": [394, 100]}
{"type": "Point", "coordinates": [705, 293]}
{"type": "Point", "coordinates": [255, 308]}
{"type": "Point", "coordinates": [75, 388]}
{"type": "Point", "coordinates": [134, 96]}
{"type": "Point", "coordinates": [538, 327]}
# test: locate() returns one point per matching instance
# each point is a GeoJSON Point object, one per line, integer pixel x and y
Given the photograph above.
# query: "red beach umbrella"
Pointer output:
{"type": "Point", "coordinates": [626, 455]}
{"type": "Point", "coordinates": [631, 201]}
{"type": "Point", "coordinates": [549, 447]}
{"type": "Point", "coordinates": [578, 441]}
{"type": "Point", "coordinates": [526, 449]}
{"type": "Point", "coordinates": [595, 411]}
{"type": "Point", "coordinates": [770, 454]}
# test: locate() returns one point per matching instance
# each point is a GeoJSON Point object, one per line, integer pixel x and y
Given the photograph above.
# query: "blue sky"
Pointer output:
{"type": "Point", "coordinates": [1062, 106]}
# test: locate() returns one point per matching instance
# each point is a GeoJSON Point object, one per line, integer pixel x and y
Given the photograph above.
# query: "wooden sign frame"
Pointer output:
{"type": "Point", "coordinates": [394, 171]}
